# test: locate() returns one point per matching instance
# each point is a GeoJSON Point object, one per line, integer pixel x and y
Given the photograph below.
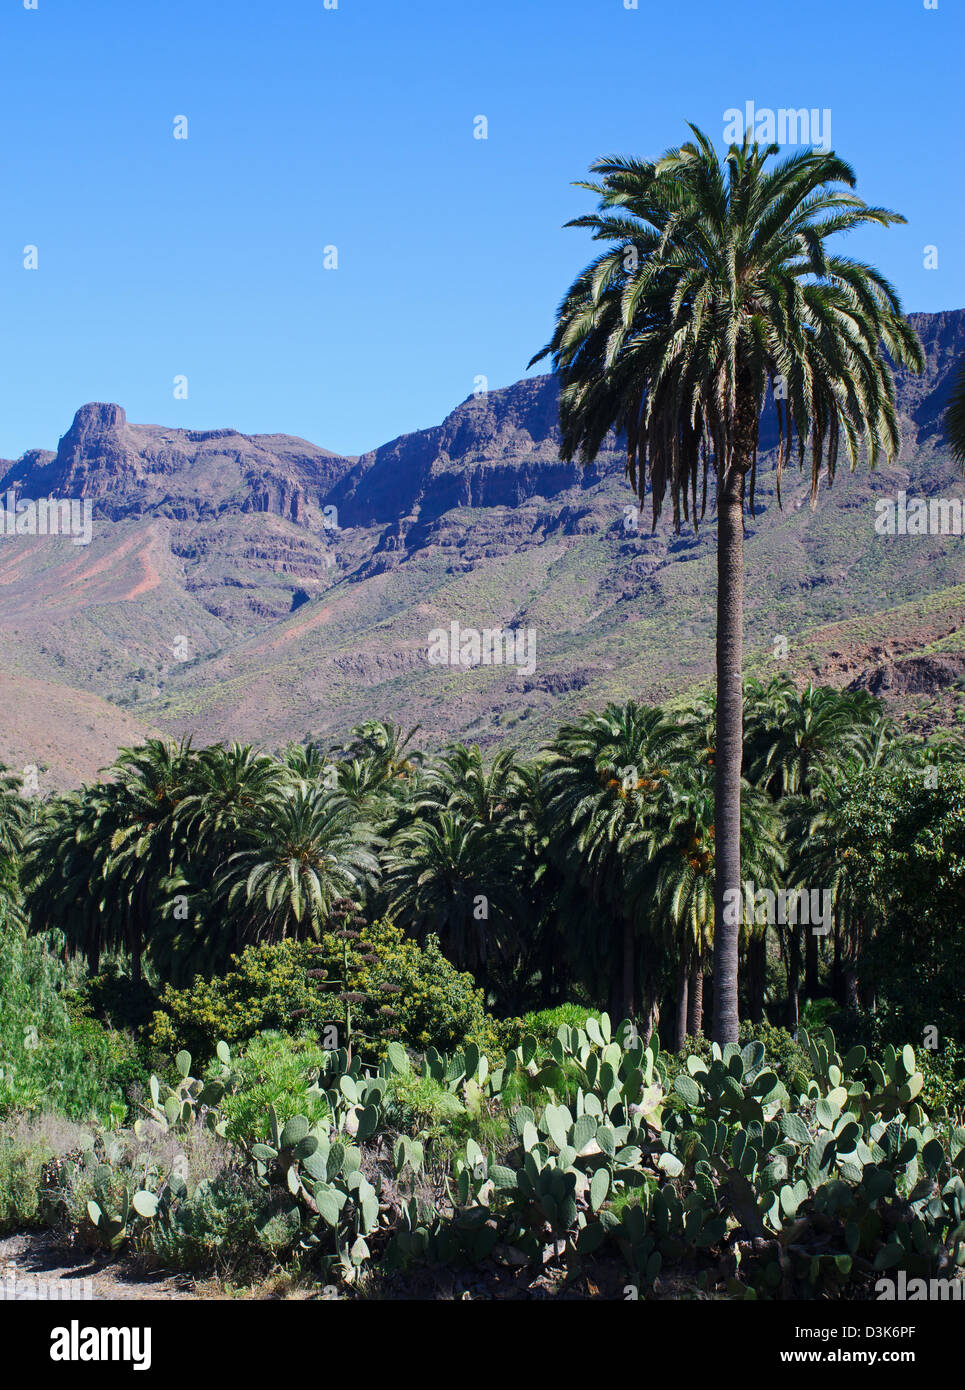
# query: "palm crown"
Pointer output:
{"type": "Point", "coordinates": [717, 285]}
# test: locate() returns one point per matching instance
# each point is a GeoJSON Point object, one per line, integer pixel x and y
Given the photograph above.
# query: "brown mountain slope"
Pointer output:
{"type": "Point", "coordinates": [259, 587]}
{"type": "Point", "coordinates": [67, 735]}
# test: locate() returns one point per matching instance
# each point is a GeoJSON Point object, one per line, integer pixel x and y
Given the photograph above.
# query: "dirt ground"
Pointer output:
{"type": "Point", "coordinates": [34, 1266]}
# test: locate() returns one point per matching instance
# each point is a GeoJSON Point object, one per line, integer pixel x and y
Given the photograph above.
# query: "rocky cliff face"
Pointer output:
{"type": "Point", "coordinates": [132, 470]}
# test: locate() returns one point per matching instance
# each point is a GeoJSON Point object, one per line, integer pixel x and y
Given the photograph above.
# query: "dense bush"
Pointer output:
{"type": "Point", "coordinates": [903, 840]}
{"type": "Point", "coordinates": [112, 997]}
{"type": "Point", "coordinates": [49, 1061]}
{"type": "Point", "coordinates": [943, 1067]}
{"type": "Point", "coordinates": [27, 1145]}
{"type": "Point", "coordinates": [226, 1226]}
{"type": "Point", "coordinates": [268, 989]}
{"type": "Point", "coordinates": [544, 1024]}
{"type": "Point", "coordinates": [275, 1070]}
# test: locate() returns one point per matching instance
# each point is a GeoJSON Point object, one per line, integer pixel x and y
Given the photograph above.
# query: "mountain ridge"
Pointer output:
{"type": "Point", "coordinates": [263, 587]}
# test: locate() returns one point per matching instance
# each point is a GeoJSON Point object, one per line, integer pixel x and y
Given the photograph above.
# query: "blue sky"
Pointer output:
{"type": "Point", "coordinates": [311, 127]}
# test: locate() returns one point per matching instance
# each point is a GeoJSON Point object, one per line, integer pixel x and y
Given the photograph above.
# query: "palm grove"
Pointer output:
{"type": "Point", "coordinates": [585, 872]}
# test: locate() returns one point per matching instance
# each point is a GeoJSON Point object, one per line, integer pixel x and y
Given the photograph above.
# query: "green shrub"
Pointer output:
{"type": "Point", "coordinates": [266, 990]}
{"type": "Point", "coordinates": [417, 1103]}
{"type": "Point", "coordinates": [226, 1225]}
{"type": "Point", "coordinates": [113, 997]}
{"type": "Point", "coordinates": [275, 1070]}
{"type": "Point", "coordinates": [436, 1005]}
{"type": "Point", "coordinates": [122, 1059]}
{"type": "Point", "coordinates": [46, 1062]}
{"type": "Point", "coordinates": [944, 1071]}
{"type": "Point", "coordinates": [429, 1002]}
{"type": "Point", "coordinates": [784, 1055]}
{"type": "Point", "coordinates": [22, 1162]}
{"type": "Point", "coordinates": [544, 1024]}
{"type": "Point", "coordinates": [28, 1144]}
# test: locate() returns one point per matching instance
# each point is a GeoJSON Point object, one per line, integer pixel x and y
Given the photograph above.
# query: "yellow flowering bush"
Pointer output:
{"type": "Point", "coordinates": [409, 991]}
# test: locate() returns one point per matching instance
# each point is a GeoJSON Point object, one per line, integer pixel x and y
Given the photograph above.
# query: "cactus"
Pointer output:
{"type": "Point", "coordinates": [177, 1107]}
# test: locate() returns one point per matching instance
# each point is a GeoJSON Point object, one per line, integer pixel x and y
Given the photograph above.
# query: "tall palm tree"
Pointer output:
{"type": "Point", "coordinates": [791, 737]}
{"type": "Point", "coordinates": [716, 286]}
{"type": "Point", "coordinates": [461, 782]}
{"type": "Point", "coordinates": [232, 787]}
{"type": "Point", "coordinates": [15, 817]}
{"type": "Point", "coordinates": [99, 861]}
{"type": "Point", "coordinates": [797, 743]}
{"type": "Point", "coordinates": [387, 747]}
{"type": "Point", "coordinates": [545, 878]}
{"type": "Point", "coordinates": [63, 874]}
{"type": "Point", "coordinates": [137, 822]}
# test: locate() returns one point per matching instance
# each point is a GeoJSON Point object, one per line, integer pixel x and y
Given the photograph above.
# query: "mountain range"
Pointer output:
{"type": "Point", "coordinates": [262, 588]}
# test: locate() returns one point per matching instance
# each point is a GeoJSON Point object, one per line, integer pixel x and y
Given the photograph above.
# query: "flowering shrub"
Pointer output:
{"type": "Point", "coordinates": [398, 988]}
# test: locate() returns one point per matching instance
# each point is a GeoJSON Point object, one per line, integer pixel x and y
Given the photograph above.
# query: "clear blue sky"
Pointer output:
{"type": "Point", "coordinates": [354, 127]}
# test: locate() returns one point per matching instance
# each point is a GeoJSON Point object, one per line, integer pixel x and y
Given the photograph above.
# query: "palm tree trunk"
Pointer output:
{"type": "Point", "coordinates": [811, 965]}
{"type": "Point", "coordinates": [851, 995]}
{"type": "Point", "coordinates": [729, 748]}
{"type": "Point", "coordinates": [695, 1000]}
{"type": "Point", "coordinates": [627, 1000]}
{"type": "Point", "coordinates": [680, 1017]}
{"type": "Point", "coordinates": [837, 974]}
{"type": "Point", "coordinates": [794, 981]}
{"type": "Point", "coordinates": [757, 971]}
{"type": "Point", "coordinates": [138, 933]}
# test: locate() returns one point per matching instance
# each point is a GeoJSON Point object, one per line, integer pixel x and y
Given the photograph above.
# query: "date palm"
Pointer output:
{"type": "Point", "coordinates": [137, 821]}
{"type": "Point", "coordinates": [461, 782]}
{"type": "Point", "coordinates": [386, 746]}
{"type": "Point", "coordinates": [300, 853]}
{"type": "Point", "coordinates": [717, 286]}
{"type": "Point", "coordinates": [792, 736]}
{"type": "Point", "coordinates": [99, 860]}
{"type": "Point", "coordinates": [232, 786]}
{"type": "Point", "coordinates": [14, 824]}
{"type": "Point", "coordinates": [795, 742]}
{"type": "Point", "coordinates": [685, 857]}
{"type": "Point", "coordinates": [603, 778]}
{"type": "Point", "coordinates": [454, 876]}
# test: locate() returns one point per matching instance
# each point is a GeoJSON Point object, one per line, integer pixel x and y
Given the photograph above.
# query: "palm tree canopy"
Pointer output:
{"type": "Point", "coordinates": [717, 286]}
